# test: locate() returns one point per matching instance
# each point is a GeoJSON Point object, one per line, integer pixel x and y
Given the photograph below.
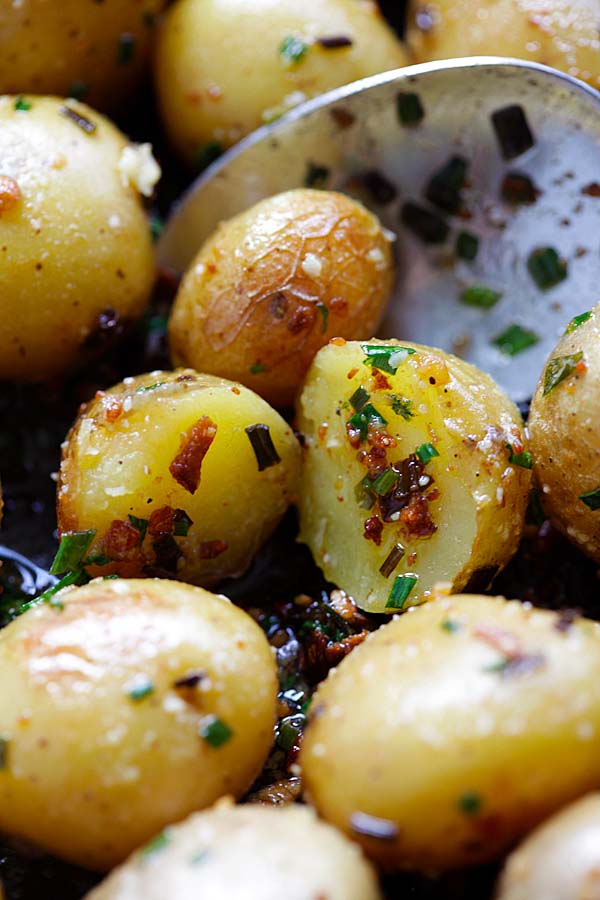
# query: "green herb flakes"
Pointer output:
{"type": "Point", "coordinates": [401, 590]}
{"type": "Point", "coordinates": [576, 321]}
{"type": "Point", "coordinates": [141, 688]}
{"type": "Point", "coordinates": [514, 340]}
{"type": "Point", "coordinates": [215, 731]}
{"type": "Point", "coordinates": [157, 843]}
{"type": "Point", "coordinates": [386, 359]}
{"type": "Point", "coordinates": [467, 246]}
{"type": "Point", "coordinates": [470, 803]}
{"type": "Point", "coordinates": [450, 626]}
{"type": "Point", "coordinates": [157, 226]}
{"type": "Point", "coordinates": [292, 50]}
{"type": "Point", "coordinates": [21, 104]}
{"type": "Point", "coordinates": [481, 296]}
{"type": "Point", "coordinates": [316, 176]}
{"type": "Point", "coordinates": [364, 494]}
{"type": "Point", "coordinates": [257, 368]}
{"type": "Point", "coordinates": [324, 315]}
{"type": "Point", "coordinates": [140, 524]}
{"type": "Point", "coordinates": [384, 482]}
{"type": "Point", "coordinates": [126, 48]}
{"type": "Point", "coordinates": [73, 547]}
{"type": "Point", "coordinates": [546, 267]}
{"type": "Point", "coordinates": [181, 523]}
{"type": "Point", "coordinates": [359, 398]}
{"type": "Point", "coordinates": [523, 459]}
{"type": "Point", "coordinates": [410, 109]}
{"type": "Point", "coordinates": [392, 560]}
{"type": "Point", "coordinates": [560, 368]}
{"type": "Point", "coordinates": [402, 406]}
{"type": "Point", "coordinates": [368, 415]}
{"type": "Point", "coordinates": [426, 452]}
{"type": "Point", "coordinates": [150, 387]}
{"type": "Point", "coordinates": [591, 499]}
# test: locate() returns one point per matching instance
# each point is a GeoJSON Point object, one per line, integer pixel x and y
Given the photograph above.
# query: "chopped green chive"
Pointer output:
{"type": "Point", "coordinates": [470, 803]}
{"type": "Point", "coordinates": [450, 626]}
{"type": "Point", "coordinates": [257, 368]}
{"type": "Point", "coordinates": [546, 267]}
{"type": "Point", "coordinates": [97, 559]}
{"type": "Point", "coordinates": [287, 737]}
{"type": "Point", "coordinates": [207, 154]}
{"type": "Point", "coordinates": [386, 359]}
{"type": "Point", "coordinates": [73, 547]}
{"type": "Point", "coordinates": [514, 340]}
{"type": "Point", "coordinates": [426, 452]}
{"type": "Point", "coordinates": [523, 459]}
{"type": "Point", "coordinates": [78, 90]}
{"type": "Point", "coordinates": [402, 406]}
{"type": "Point", "coordinates": [364, 493]}
{"type": "Point", "coordinates": [479, 295]}
{"type": "Point", "coordinates": [392, 560]}
{"type": "Point", "coordinates": [401, 590]}
{"type": "Point", "coordinates": [156, 226]}
{"type": "Point", "coordinates": [560, 368]}
{"type": "Point", "coordinates": [140, 524]}
{"type": "Point", "coordinates": [324, 315]}
{"type": "Point", "coordinates": [21, 104]}
{"type": "Point", "coordinates": [445, 185]}
{"type": "Point", "coordinates": [142, 688]}
{"type": "Point", "coordinates": [384, 482]}
{"type": "Point", "coordinates": [214, 731]}
{"type": "Point", "coordinates": [292, 50]}
{"type": "Point", "coordinates": [150, 387]}
{"type": "Point", "coordinates": [126, 48]}
{"type": "Point", "coordinates": [181, 523]}
{"type": "Point", "coordinates": [576, 321]}
{"type": "Point", "coordinates": [316, 176]}
{"type": "Point", "coordinates": [262, 444]}
{"type": "Point", "coordinates": [467, 245]}
{"type": "Point", "coordinates": [410, 109]}
{"type": "Point", "coordinates": [591, 499]}
{"type": "Point", "coordinates": [157, 843]}
{"type": "Point", "coordinates": [368, 415]}
{"type": "Point", "coordinates": [77, 577]}
{"type": "Point", "coordinates": [359, 398]}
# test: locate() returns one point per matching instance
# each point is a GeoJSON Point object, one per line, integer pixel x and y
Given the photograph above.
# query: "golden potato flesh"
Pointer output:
{"type": "Point", "coordinates": [125, 706]}
{"type": "Point", "coordinates": [77, 260]}
{"type": "Point", "coordinates": [560, 860]}
{"type": "Point", "coordinates": [558, 33]}
{"type": "Point", "coordinates": [270, 287]}
{"type": "Point", "coordinates": [415, 472]}
{"type": "Point", "coordinates": [246, 852]}
{"type": "Point", "coordinates": [454, 729]}
{"type": "Point", "coordinates": [94, 51]}
{"type": "Point", "coordinates": [565, 433]}
{"type": "Point", "coordinates": [179, 474]}
{"type": "Point", "coordinates": [224, 67]}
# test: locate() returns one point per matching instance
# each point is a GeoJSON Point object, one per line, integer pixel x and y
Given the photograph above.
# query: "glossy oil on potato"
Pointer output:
{"type": "Point", "coordinates": [458, 517]}
{"type": "Point", "coordinates": [105, 702]}
{"type": "Point", "coordinates": [455, 729]}
{"type": "Point", "coordinates": [222, 67]}
{"type": "Point", "coordinates": [272, 285]}
{"type": "Point", "coordinates": [565, 434]}
{"type": "Point", "coordinates": [247, 852]}
{"type": "Point", "coordinates": [560, 860]}
{"type": "Point", "coordinates": [95, 51]}
{"type": "Point", "coordinates": [558, 33]}
{"type": "Point", "coordinates": [77, 259]}
{"type": "Point", "coordinates": [163, 469]}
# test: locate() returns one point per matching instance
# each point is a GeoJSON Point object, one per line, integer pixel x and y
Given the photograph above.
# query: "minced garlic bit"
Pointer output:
{"type": "Point", "coordinates": [139, 169]}
{"type": "Point", "coordinates": [312, 265]}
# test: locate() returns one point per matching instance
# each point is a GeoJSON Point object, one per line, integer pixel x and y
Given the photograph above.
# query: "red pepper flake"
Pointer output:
{"type": "Point", "coordinates": [10, 193]}
{"type": "Point", "coordinates": [212, 549]}
{"type": "Point", "coordinates": [120, 539]}
{"type": "Point", "coordinates": [380, 381]}
{"type": "Point", "coordinates": [581, 366]}
{"type": "Point", "coordinates": [112, 409]}
{"type": "Point", "coordinates": [373, 529]}
{"type": "Point", "coordinates": [195, 444]}
{"type": "Point", "coordinates": [416, 518]}
{"type": "Point", "coordinates": [351, 373]}
{"type": "Point", "coordinates": [322, 431]}
{"type": "Point", "coordinates": [592, 189]}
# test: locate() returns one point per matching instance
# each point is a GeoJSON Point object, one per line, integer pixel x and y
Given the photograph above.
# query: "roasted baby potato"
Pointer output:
{"type": "Point", "coordinates": [558, 33]}
{"type": "Point", "coordinates": [560, 860]}
{"type": "Point", "coordinates": [270, 286]}
{"type": "Point", "coordinates": [415, 471]}
{"type": "Point", "coordinates": [454, 729]}
{"type": "Point", "coordinates": [126, 705]}
{"type": "Point", "coordinates": [178, 474]}
{"type": "Point", "coordinates": [77, 258]}
{"type": "Point", "coordinates": [94, 51]}
{"type": "Point", "coordinates": [224, 67]}
{"type": "Point", "coordinates": [246, 852]}
{"type": "Point", "coordinates": [565, 437]}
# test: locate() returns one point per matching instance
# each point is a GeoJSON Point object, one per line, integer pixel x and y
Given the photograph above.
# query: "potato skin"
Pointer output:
{"type": "Point", "coordinates": [77, 252]}
{"type": "Point", "coordinates": [565, 437]}
{"type": "Point", "coordinates": [220, 74]}
{"type": "Point", "coordinates": [126, 456]}
{"type": "Point", "coordinates": [272, 285]}
{"type": "Point", "coordinates": [92, 772]}
{"type": "Point", "coordinates": [447, 724]}
{"type": "Point", "coordinates": [558, 33]}
{"type": "Point", "coordinates": [560, 860]}
{"type": "Point", "coordinates": [476, 502]}
{"type": "Point", "coordinates": [98, 50]}
{"type": "Point", "coordinates": [253, 852]}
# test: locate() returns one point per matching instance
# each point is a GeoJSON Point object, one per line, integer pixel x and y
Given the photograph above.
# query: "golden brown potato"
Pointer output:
{"type": "Point", "coordinates": [416, 471]}
{"type": "Point", "coordinates": [558, 33]}
{"type": "Point", "coordinates": [224, 67]}
{"type": "Point", "coordinates": [272, 285]}
{"type": "Point", "coordinates": [454, 729]}
{"type": "Point", "coordinates": [94, 51]}
{"type": "Point", "coordinates": [77, 260]}
{"type": "Point", "coordinates": [126, 705]}
{"type": "Point", "coordinates": [246, 852]}
{"type": "Point", "coordinates": [565, 433]}
{"type": "Point", "coordinates": [178, 474]}
{"type": "Point", "coordinates": [560, 860]}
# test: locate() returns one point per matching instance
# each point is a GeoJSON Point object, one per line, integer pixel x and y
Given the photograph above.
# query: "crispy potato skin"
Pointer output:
{"type": "Point", "coordinates": [565, 442]}
{"type": "Point", "coordinates": [118, 461]}
{"type": "Point", "coordinates": [558, 33]}
{"type": "Point", "coordinates": [74, 239]}
{"type": "Point", "coordinates": [253, 852]}
{"type": "Point", "coordinates": [448, 722]}
{"type": "Point", "coordinates": [272, 285]}
{"type": "Point", "coordinates": [91, 773]}
{"type": "Point", "coordinates": [560, 860]}
{"type": "Point", "coordinates": [477, 499]}
{"type": "Point", "coordinates": [219, 71]}
{"type": "Point", "coordinates": [99, 50]}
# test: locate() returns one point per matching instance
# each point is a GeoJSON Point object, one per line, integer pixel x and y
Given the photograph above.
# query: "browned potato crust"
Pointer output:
{"type": "Point", "coordinates": [272, 285]}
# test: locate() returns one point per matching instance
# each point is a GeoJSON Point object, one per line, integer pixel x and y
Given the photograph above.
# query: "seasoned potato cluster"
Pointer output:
{"type": "Point", "coordinates": [178, 474]}
{"type": "Point", "coordinates": [416, 471]}
{"type": "Point", "coordinates": [274, 284]}
{"type": "Point", "coordinates": [125, 706]}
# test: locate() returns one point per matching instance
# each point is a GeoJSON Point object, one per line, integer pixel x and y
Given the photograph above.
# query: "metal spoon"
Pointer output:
{"type": "Point", "coordinates": [357, 129]}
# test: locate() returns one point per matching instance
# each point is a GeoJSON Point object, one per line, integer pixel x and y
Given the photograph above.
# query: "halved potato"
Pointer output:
{"type": "Point", "coordinates": [416, 471]}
